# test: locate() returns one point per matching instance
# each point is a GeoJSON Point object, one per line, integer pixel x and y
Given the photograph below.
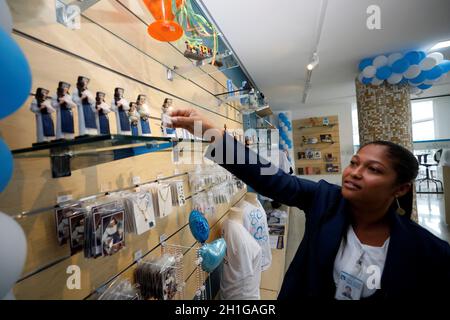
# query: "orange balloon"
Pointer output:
{"type": "Point", "coordinates": [164, 28]}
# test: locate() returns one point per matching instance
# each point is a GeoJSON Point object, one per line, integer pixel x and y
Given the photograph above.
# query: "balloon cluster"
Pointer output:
{"type": "Point", "coordinates": [284, 126]}
{"type": "Point", "coordinates": [16, 81]}
{"type": "Point", "coordinates": [415, 68]}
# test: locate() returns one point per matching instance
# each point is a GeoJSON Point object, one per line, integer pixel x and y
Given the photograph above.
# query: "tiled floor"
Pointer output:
{"type": "Point", "coordinates": [431, 213]}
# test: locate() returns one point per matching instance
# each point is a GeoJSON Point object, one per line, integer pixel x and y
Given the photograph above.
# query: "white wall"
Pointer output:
{"type": "Point", "coordinates": [344, 113]}
{"type": "Point", "coordinates": [441, 110]}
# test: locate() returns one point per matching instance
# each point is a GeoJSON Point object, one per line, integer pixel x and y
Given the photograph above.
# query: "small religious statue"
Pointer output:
{"type": "Point", "coordinates": [102, 110]}
{"type": "Point", "coordinates": [144, 112]}
{"type": "Point", "coordinates": [85, 101]}
{"type": "Point", "coordinates": [42, 108]}
{"type": "Point", "coordinates": [166, 122]}
{"type": "Point", "coordinates": [120, 107]}
{"type": "Point", "coordinates": [134, 117]}
{"type": "Point", "coordinates": [64, 104]}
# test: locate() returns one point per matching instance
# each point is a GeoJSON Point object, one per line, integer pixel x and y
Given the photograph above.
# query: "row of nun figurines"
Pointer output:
{"type": "Point", "coordinates": [131, 118]}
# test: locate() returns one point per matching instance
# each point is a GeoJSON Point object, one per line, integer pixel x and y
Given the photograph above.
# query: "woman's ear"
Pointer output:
{"type": "Point", "coordinates": [402, 189]}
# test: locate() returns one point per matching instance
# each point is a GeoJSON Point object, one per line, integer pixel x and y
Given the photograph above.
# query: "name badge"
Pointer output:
{"type": "Point", "coordinates": [349, 287]}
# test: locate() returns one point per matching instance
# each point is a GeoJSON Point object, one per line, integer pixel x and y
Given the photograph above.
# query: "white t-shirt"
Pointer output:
{"type": "Point", "coordinates": [354, 258]}
{"type": "Point", "coordinates": [241, 274]}
{"type": "Point", "coordinates": [255, 221]}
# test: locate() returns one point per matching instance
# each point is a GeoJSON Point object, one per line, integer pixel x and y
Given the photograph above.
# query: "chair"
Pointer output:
{"type": "Point", "coordinates": [427, 178]}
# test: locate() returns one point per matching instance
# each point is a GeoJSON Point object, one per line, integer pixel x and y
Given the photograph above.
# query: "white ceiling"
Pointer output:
{"type": "Point", "coordinates": [275, 39]}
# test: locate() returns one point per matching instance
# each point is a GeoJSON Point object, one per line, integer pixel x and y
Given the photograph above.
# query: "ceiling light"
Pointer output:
{"type": "Point", "coordinates": [440, 45]}
{"type": "Point", "coordinates": [314, 62]}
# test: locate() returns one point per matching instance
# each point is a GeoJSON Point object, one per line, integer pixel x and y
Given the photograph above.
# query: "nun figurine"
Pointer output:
{"type": "Point", "coordinates": [120, 107]}
{"type": "Point", "coordinates": [166, 123]}
{"type": "Point", "coordinates": [144, 113]}
{"type": "Point", "coordinates": [134, 117]}
{"type": "Point", "coordinates": [42, 108]}
{"type": "Point", "coordinates": [102, 110]}
{"type": "Point", "coordinates": [85, 101]}
{"type": "Point", "coordinates": [64, 115]}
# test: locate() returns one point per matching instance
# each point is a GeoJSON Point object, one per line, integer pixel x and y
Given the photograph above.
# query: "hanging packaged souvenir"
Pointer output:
{"type": "Point", "coordinates": [141, 212]}
{"type": "Point", "coordinates": [164, 199]}
{"type": "Point", "coordinates": [64, 105]}
{"type": "Point", "coordinates": [121, 107]}
{"type": "Point", "coordinates": [42, 108]}
{"type": "Point", "coordinates": [62, 216]}
{"type": "Point", "coordinates": [85, 101]}
{"type": "Point", "coordinates": [121, 289]}
{"type": "Point", "coordinates": [158, 278]}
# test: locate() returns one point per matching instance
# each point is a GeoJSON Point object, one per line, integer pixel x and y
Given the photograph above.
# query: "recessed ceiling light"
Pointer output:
{"type": "Point", "coordinates": [440, 45]}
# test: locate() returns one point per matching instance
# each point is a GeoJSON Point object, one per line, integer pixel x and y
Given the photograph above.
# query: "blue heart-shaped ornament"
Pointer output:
{"type": "Point", "coordinates": [199, 226]}
{"type": "Point", "coordinates": [212, 254]}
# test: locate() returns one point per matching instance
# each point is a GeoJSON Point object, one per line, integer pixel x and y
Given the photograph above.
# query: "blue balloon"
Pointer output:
{"type": "Point", "coordinates": [7, 165]}
{"type": "Point", "coordinates": [199, 226]}
{"type": "Point", "coordinates": [420, 78]}
{"type": "Point", "coordinates": [434, 73]}
{"type": "Point", "coordinates": [383, 73]}
{"type": "Point", "coordinates": [365, 63]}
{"type": "Point", "coordinates": [367, 80]}
{"type": "Point", "coordinates": [445, 66]}
{"type": "Point", "coordinates": [424, 86]}
{"type": "Point", "coordinates": [414, 57]}
{"type": "Point", "coordinates": [400, 65]}
{"type": "Point", "coordinates": [423, 55]}
{"type": "Point", "coordinates": [212, 254]}
{"type": "Point", "coordinates": [15, 80]}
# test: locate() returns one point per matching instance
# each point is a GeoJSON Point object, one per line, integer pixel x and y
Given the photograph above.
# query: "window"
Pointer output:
{"type": "Point", "coordinates": [423, 120]}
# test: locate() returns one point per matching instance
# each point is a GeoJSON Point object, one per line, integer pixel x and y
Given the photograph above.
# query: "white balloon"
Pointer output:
{"type": "Point", "coordinates": [6, 22]}
{"type": "Point", "coordinates": [285, 129]}
{"type": "Point", "coordinates": [430, 82]}
{"type": "Point", "coordinates": [394, 57]}
{"type": "Point", "coordinates": [380, 61]}
{"type": "Point", "coordinates": [441, 78]}
{"type": "Point", "coordinates": [428, 63]}
{"type": "Point", "coordinates": [412, 84]}
{"type": "Point", "coordinates": [369, 71]}
{"type": "Point", "coordinates": [412, 72]}
{"type": "Point", "coordinates": [360, 77]}
{"type": "Point", "coordinates": [437, 56]}
{"type": "Point", "coordinates": [13, 251]}
{"type": "Point", "coordinates": [376, 81]}
{"type": "Point", "coordinates": [282, 142]}
{"type": "Point", "coordinates": [395, 78]}
{"type": "Point", "coordinates": [413, 90]}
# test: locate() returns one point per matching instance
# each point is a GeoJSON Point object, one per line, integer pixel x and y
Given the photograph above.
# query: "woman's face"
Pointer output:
{"type": "Point", "coordinates": [370, 177]}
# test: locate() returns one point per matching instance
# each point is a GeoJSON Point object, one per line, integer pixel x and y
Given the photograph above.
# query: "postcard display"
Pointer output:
{"type": "Point", "coordinates": [316, 146]}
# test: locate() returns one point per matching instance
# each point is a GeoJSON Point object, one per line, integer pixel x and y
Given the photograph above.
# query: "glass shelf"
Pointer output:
{"type": "Point", "coordinates": [68, 155]}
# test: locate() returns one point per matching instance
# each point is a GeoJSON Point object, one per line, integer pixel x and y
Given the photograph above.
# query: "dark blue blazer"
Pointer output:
{"type": "Point", "coordinates": [417, 262]}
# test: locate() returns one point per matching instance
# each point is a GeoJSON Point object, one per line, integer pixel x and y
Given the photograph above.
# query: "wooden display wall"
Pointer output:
{"type": "Point", "coordinates": [113, 49]}
{"type": "Point", "coordinates": [316, 146]}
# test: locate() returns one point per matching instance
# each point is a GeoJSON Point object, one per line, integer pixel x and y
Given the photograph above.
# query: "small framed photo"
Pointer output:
{"type": "Point", "coordinates": [113, 233]}
{"type": "Point", "coordinates": [309, 154]}
{"type": "Point", "coordinates": [326, 138]}
{"type": "Point", "coordinates": [76, 229]}
{"type": "Point", "coordinates": [317, 155]}
{"type": "Point", "coordinates": [317, 170]}
{"type": "Point", "coordinates": [329, 157]}
{"type": "Point", "coordinates": [300, 171]}
{"type": "Point", "coordinates": [301, 155]}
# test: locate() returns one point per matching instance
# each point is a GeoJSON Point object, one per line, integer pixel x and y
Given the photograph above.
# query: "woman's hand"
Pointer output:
{"type": "Point", "coordinates": [193, 121]}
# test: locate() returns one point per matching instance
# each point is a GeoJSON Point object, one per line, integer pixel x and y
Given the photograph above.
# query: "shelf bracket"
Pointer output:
{"type": "Point", "coordinates": [68, 12]}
